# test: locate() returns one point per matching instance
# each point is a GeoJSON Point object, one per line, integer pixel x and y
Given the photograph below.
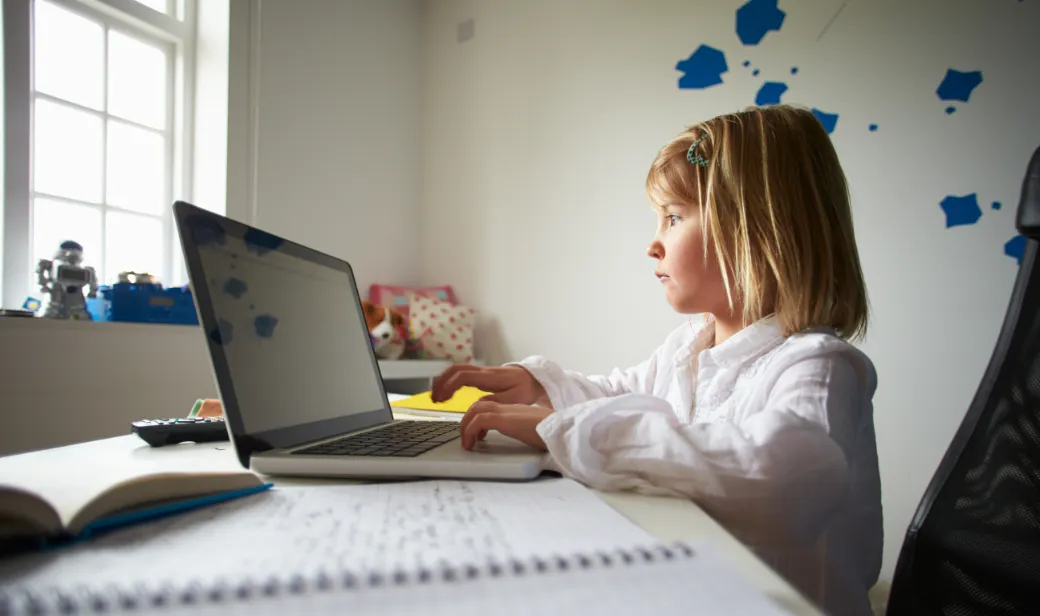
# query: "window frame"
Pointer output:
{"type": "Point", "coordinates": [177, 31]}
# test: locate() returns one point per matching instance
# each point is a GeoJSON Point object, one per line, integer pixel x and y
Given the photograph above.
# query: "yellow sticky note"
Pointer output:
{"type": "Point", "coordinates": [459, 403]}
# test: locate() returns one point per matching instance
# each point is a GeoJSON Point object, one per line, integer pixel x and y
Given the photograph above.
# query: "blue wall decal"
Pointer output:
{"type": "Point", "coordinates": [756, 18]}
{"type": "Point", "coordinates": [264, 325]}
{"type": "Point", "coordinates": [829, 120]}
{"type": "Point", "coordinates": [958, 86]}
{"type": "Point", "coordinates": [996, 205]}
{"type": "Point", "coordinates": [260, 243]}
{"type": "Point", "coordinates": [755, 72]}
{"type": "Point", "coordinates": [703, 69]}
{"type": "Point", "coordinates": [747, 62]}
{"type": "Point", "coordinates": [1015, 248]}
{"type": "Point", "coordinates": [222, 333]}
{"type": "Point", "coordinates": [770, 93]}
{"type": "Point", "coordinates": [962, 210]}
{"type": "Point", "coordinates": [873, 128]}
{"type": "Point", "coordinates": [794, 70]}
{"type": "Point", "coordinates": [235, 288]}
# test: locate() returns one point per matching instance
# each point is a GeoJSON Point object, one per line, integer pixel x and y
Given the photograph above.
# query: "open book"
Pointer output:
{"type": "Point", "coordinates": [86, 488]}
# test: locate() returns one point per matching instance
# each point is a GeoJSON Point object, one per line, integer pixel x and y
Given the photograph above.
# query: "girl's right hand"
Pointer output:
{"type": "Point", "coordinates": [506, 384]}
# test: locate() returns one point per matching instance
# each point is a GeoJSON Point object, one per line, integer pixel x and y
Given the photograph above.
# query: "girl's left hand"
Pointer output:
{"type": "Point", "coordinates": [513, 420]}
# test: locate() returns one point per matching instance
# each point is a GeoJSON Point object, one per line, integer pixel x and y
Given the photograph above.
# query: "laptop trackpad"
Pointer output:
{"type": "Point", "coordinates": [495, 443]}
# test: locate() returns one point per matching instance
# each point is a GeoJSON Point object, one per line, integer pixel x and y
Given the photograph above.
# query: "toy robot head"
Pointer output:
{"type": "Point", "coordinates": [69, 252]}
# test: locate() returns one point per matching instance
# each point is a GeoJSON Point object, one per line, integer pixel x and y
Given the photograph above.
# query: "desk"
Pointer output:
{"type": "Point", "coordinates": [667, 519]}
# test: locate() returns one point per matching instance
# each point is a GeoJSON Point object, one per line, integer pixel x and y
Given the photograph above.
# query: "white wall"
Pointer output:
{"type": "Point", "coordinates": [319, 103]}
{"type": "Point", "coordinates": [540, 129]}
{"type": "Point", "coordinates": [329, 132]}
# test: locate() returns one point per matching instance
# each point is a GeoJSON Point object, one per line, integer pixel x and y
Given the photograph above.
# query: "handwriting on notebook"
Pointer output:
{"type": "Point", "coordinates": [302, 530]}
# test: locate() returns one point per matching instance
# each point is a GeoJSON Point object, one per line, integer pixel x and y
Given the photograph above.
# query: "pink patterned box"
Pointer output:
{"type": "Point", "coordinates": [396, 297]}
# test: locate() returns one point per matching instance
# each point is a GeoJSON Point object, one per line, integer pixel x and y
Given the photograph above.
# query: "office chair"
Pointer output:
{"type": "Point", "coordinates": [973, 546]}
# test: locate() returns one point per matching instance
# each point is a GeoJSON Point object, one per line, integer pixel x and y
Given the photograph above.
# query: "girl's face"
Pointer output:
{"type": "Point", "coordinates": [692, 280]}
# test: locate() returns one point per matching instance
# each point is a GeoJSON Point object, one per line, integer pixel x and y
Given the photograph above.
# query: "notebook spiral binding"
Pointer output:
{"type": "Point", "coordinates": [114, 599]}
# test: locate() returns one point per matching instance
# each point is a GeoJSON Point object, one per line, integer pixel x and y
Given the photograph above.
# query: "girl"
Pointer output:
{"type": "Point", "coordinates": [763, 414]}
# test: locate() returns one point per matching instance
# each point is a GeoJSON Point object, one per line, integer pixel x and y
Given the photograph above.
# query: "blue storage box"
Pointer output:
{"type": "Point", "coordinates": [144, 303]}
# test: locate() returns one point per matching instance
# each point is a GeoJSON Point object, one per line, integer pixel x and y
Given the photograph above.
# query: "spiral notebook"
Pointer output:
{"type": "Point", "coordinates": [434, 547]}
{"type": "Point", "coordinates": [653, 579]}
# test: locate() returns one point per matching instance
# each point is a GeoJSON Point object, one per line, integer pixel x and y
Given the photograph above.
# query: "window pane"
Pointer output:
{"type": "Point", "coordinates": [132, 243]}
{"type": "Point", "coordinates": [136, 168]}
{"type": "Point", "coordinates": [136, 80]}
{"type": "Point", "coordinates": [55, 222]}
{"type": "Point", "coordinates": [158, 5]}
{"type": "Point", "coordinates": [66, 152]}
{"type": "Point", "coordinates": [178, 268]}
{"type": "Point", "coordinates": [69, 59]}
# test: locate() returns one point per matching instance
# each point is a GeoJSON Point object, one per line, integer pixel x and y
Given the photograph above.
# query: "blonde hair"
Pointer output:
{"type": "Point", "coordinates": [774, 198]}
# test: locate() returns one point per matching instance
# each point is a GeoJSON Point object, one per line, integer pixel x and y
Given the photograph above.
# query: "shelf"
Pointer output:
{"type": "Point", "coordinates": [400, 369]}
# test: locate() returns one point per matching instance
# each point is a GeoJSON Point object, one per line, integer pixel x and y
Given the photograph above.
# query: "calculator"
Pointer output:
{"type": "Point", "coordinates": [159, 432]}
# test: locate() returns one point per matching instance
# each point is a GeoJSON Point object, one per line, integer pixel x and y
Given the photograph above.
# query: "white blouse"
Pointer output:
{"type": "Point", "coordinates": [772, 436]}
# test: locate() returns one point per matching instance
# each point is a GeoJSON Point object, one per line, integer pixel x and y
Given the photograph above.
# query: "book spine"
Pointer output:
{"type": "Point", "coordinates": [110, 599]}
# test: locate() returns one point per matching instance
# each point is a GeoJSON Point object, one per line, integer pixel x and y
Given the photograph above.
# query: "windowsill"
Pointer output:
{"type": "Point", "coordinates": [400, 369]}
{"type": "Point", "coordinates": [101, 327]}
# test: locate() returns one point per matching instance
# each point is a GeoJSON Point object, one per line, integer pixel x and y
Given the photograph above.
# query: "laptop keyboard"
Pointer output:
{"type": "Point", "coordinates": [402, 439]}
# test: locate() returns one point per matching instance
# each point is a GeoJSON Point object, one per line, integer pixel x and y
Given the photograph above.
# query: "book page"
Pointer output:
{"type": "Point", "coordinates": [290, 531]}
{"type": "Point", "coordinates": [69, 478]}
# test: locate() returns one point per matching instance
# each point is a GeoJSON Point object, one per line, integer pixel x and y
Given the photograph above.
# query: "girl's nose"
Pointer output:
{"type": "Point", "coordinates": [654, 250]}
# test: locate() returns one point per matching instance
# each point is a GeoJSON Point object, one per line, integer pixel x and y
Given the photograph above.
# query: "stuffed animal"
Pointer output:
{"type": "Point", "coordinates": [386, 329]}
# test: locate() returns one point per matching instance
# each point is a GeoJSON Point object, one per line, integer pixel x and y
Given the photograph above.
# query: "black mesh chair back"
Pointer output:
{"type": "Point", "coordinates": [973, 546]}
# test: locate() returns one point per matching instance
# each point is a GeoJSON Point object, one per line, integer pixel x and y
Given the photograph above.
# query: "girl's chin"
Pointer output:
{"type": "Point", "coordinates": [682, 304]}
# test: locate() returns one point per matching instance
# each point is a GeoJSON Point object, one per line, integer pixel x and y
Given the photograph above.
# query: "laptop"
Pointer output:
{"type": "Point", "coordinates": [296, 372]}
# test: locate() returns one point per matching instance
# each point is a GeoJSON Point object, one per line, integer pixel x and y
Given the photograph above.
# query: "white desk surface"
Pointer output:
{"type": "Point", "coordinates": [667, 519]}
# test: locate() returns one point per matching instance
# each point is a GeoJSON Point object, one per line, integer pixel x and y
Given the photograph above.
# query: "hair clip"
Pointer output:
{"type": "Point", "coordinates": [695, 158]}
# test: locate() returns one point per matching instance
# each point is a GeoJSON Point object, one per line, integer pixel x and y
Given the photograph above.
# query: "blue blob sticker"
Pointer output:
{"type": "Point", "coordinates": [260, 242]}
{"type": "Point", "coordinates": [960, 211]}
{"type": "Point", "coordinates": [1015, 248]}
{"type": "Point", "coordinates": [235, 288]}
{"type": "Point", "coordinates": [958, 86]}
{"type": "Point", "coordinates": [264, 325]}
{"type": "Point", "coordinates": [829, 120]}
{"type": "Point", "coordinates": [996, 205]}
{"type": "Point", "coordinates": [873, 128]}
{"type": "Point", "coordinates": [756, 18]}
{"type": "Point", "coordinates": [206, 231]}
{"type": "Point", "coordinates": [770, 93]}
{"type": "Point", "coordinates": [223, 333]}
{"type": "Point", "coordinates": [703, 69]}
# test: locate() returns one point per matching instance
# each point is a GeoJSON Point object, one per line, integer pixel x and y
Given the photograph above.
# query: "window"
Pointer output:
{"type": "Point", "coordinates": [108, 101]}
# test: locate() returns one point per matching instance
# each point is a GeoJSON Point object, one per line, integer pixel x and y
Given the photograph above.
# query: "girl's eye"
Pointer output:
{"type": "Point", "coordinates": [674, 220]}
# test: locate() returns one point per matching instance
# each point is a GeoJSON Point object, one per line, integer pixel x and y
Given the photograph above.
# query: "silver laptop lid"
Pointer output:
{"type": "Point", "coordinates": [286, 334]}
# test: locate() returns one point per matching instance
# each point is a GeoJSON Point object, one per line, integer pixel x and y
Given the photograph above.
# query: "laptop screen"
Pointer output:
{"type": "Point", "coordinates": [295, 344]}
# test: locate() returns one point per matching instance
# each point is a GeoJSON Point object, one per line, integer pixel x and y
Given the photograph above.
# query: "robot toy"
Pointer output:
{"type": "Point", "coordinates": [62, 281]}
